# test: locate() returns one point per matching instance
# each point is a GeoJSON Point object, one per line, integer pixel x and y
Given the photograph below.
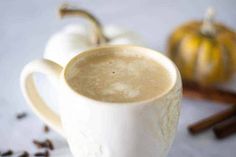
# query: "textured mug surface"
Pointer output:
{"type": "Point", "coordinates": [102, 129]}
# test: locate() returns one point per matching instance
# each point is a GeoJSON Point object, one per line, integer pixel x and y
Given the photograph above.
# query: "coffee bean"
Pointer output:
{"type": "Point", "coordinates": [46, 129]}
{"type": "Point", "coordinates": [44, 144]}
{"type": "Point", "coordinates": [50, 144]}
{"type": "Point", "coordinates": [24, 154]}
{"type": "Point", "coordinates": [42, 154]}
{"type": "Point", "coordinates": [7, 153]}
{"type": "Point", "coordinates": [21, 115]}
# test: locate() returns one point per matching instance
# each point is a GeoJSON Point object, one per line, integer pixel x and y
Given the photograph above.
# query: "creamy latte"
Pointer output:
{"type": "Point", "coordinates": [114, 77]}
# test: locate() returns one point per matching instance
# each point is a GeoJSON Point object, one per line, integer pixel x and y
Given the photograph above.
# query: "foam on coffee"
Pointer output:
{"type": "Point", "coordinates": [118, 77]}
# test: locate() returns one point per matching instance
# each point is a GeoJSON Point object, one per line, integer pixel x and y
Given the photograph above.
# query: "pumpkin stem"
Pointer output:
{"type": "Point", "coordinates": [208, 28]}
{"type": "Point", "coordinates": [68, 10]}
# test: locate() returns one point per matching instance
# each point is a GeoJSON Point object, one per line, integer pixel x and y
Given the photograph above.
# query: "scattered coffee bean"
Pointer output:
{"type": "Point", "coordinates": [7, 153]}
{"type": "Point", "coordinates": [50, 144]}
{"type": "Point", "coordinates": [24, 154]}
{"type": "Point", "coordinates": [44, 144]}
{"type": "Point", "coordinates": [46, 129]}
{"type": "Point", "coordinates": [42, 154]}
{"type": "Point", "coordinates": [39, 144]}
{"type": "Point", "coordinates": [21, 115]}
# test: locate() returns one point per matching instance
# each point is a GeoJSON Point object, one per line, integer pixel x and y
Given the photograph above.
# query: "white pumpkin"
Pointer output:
{"type": "Point", "coordinates": [75, 38]}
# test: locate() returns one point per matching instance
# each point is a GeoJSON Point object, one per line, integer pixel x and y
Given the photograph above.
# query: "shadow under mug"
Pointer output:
{"type": "Point", "coordinates": [101, 129]}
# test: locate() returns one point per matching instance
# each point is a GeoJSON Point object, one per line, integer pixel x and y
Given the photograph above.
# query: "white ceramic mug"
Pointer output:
{"type": "Point", "coordinates": [100, 129]}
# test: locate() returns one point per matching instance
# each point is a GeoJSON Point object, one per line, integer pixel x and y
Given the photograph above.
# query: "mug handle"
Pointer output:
{"type": "Point", "coordinates": [31, 95]}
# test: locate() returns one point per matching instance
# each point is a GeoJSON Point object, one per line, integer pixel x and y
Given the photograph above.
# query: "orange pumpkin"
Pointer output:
{"type": "Point", "coordinates": [204, 51]}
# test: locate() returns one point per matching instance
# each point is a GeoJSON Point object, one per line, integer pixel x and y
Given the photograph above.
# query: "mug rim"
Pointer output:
{"type": "Point", "coordinates": [175, 77]}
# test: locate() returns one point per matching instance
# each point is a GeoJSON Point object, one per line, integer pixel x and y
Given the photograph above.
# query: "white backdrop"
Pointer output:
{"type": "Point", "coordinates": [26, 25]}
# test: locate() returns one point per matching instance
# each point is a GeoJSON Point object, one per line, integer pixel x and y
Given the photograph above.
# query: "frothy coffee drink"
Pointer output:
{"type": "Point", "coordinates": [114, 77]}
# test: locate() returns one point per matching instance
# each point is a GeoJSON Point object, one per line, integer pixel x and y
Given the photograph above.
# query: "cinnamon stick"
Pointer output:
{"type": "Point", "coordinates": [196, 91]}
{"type": "Point", "coordinates": [225, 129]}
{"type": "Point", "coordinates": [212, 120]}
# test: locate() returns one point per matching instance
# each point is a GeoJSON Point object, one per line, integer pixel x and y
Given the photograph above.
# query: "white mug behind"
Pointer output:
{"type": "Point", "coordinates": [96, 128]}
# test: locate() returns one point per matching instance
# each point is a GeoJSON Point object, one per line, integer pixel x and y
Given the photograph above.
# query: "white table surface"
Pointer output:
{"type": "Point", "coordinates": [26, 25]}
